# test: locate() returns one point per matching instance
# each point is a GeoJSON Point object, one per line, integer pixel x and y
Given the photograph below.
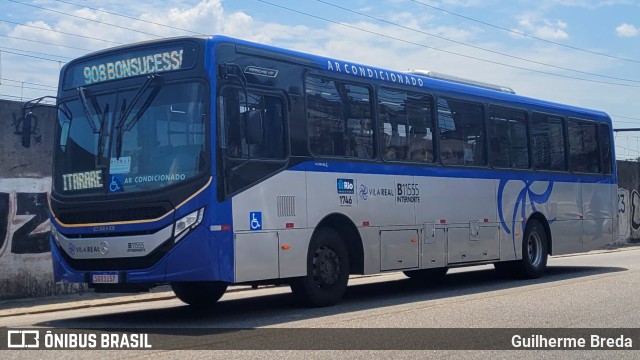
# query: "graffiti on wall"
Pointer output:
{"type": "Point", "coordinates": [24, 220]}
{"type": "Point", "coordinates": [25, 254]}
{"type": "Point", "coordinates": [635, 210]}
{"type": "Point", "coordinates": [623, 214]}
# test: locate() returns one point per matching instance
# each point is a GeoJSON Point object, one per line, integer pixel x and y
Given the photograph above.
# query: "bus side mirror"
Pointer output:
{"type": "Point", "coordinates": [64, 135]}
{"type": "Point", "coordinates": [26, 129]}
{"type": "Point", "coordinates": [253, 127]}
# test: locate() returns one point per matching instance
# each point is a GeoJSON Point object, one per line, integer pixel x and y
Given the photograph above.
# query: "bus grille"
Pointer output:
{"type": "Point", "coordinates": [286, 206]}
{"type": "Point", "coordinates": [87, 216]}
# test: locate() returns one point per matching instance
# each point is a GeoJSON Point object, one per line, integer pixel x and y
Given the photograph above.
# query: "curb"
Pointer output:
{"type": "Point", "coordinates": [89, 303]}
{"type": "Point", "coordinates": [83, 304]}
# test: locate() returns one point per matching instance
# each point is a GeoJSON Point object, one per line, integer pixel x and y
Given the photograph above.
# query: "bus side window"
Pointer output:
{"type": "Point", "coordinates": [508, 138]}
{"type": "Point", "coordinates": [275, 143]}
{"type": "Point", "coordinates": [339, 118]}
{"type": "Point", "coordinates": [271, 144]}
{"type": "Point", "coordinates": [461, 133]}
{"type": "Point", "coordinates": [409, 125]}
{"type": "Point", "coordinates": [548, 142]}
{"type": "Point", "coordinates": [583, 146]}
{"type": "Point", "coordinates": [420, 145]}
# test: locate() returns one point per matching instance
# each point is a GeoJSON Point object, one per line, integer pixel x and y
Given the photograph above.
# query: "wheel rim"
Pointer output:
{"type": "Point", "coordinates": [326, 267]}
{"type": "Point", "coordinates": [534, 249]}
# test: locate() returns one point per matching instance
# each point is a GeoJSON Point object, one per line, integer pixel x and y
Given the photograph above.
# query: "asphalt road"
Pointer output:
{"type": "Point", "coordinates": [597, 290]}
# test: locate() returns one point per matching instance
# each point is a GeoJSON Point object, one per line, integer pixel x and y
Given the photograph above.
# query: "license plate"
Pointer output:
{"type": "Point", "coordinates": [105, 278]}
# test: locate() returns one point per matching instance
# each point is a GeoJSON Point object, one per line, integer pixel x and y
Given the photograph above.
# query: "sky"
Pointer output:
{"type": "Point", "coordinates": [579, 52]}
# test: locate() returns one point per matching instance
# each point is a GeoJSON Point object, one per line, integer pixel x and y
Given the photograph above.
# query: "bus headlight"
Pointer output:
{"type": "Point", "coordinates": [54, 233]}
{"type": "Point", "coordinates": [187, 223]}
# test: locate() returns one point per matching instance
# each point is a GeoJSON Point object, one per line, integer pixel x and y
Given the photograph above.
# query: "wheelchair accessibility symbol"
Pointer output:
{"type": "Point", "coordinates": [115, 183]}
{"type": "Point", "coordinates": [255, 220]}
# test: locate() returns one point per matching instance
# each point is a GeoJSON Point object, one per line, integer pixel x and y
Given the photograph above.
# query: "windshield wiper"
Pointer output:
{"type": "Point", "coordinates": [102, 119]}
{"type": "Point", "coordinates": [101, 135]}
{"type": "Point", "coordinates": [87, 111]}
{"type": "Point", "coordinates": [125, 111]}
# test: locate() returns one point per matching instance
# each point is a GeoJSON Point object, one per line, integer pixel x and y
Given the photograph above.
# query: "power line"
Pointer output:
{"type": "Point", "coordinates": [628, 149]}
{"type": "Point", "coordinates": [30, 83]}
{"type": "Point", "coordinates": [626, 122]}
{"type": "Point", "coordinates": [524, 34]}
{"type": "Point", "coordinates": [446, 51]}
{"type": "Point", "coordinates": [35, 52]}
{"type": "Point", "coordinates": [86, 19]}
{"type": "Point", "coordinates": [12, 96]}
{"type": "Point", "coordinates": [434, 7]}
{"type": "Point", "coordinates": [626, 117]}
{"type": "Point", "coordinates": [34, 57]}
{"type": "Point", "coordinates": [46, 43]}
{"type": "Point", "coordinates": [133, 18]}
{"type": "Point", "coordinates": [25, 87]}
{"type": "Point", "coordinates": [474, 46]}
{"type": "Point", "coordinates": [61, 32]}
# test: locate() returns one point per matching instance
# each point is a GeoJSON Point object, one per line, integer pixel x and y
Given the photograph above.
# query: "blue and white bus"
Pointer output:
{"type": "Point", "coordinates": [209, 162]}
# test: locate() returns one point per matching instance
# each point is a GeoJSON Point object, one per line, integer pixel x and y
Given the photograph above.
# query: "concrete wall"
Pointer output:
{"type": "Point", "coordinates": [629, 200]}
{"type": "Point", "coordinates": [25, 180]}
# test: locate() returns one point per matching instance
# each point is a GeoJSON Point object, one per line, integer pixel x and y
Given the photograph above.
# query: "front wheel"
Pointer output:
{"type": "Point", "coordinates": [327, 271]}
{"type": "Point", "coordinates": [199, 293]}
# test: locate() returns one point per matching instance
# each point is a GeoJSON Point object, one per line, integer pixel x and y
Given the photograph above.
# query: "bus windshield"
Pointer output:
{"type": "Point", "coordinates": [112, 142]}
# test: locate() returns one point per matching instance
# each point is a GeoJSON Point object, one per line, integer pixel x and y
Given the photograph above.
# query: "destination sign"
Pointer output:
{"type": "Point", "coordinates": [82, 180]}
{"type": "Point", "coordinates": [129, 64]}
{"type": "Point", "coordinates": [141, 65]}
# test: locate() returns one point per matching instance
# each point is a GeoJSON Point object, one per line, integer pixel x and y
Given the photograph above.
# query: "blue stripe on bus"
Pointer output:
{"type": "Point", "coordinates": [449, 172]}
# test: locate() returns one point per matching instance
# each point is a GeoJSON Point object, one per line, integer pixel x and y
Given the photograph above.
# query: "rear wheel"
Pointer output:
{"type": "Point", "coordinates": [427, 275]}
{"type": "Point", "coordinates": [200, 294]}
{"type": "Point", "coordinates": [535, 252]}
{"type": "Point", "coordinates": [327, 271]}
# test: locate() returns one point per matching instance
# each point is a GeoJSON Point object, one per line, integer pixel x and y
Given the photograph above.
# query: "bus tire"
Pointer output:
{"type": "Point", "coordinates": [427, 275]}
{"type": "Point", "coordinates": [327, 271]}
{"type": "Point", "coordinates": [505, 269]}
{"type": "Point", "coordinates": [199, 293]}
{"type": "Point", "coordinates": [534, 252]}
